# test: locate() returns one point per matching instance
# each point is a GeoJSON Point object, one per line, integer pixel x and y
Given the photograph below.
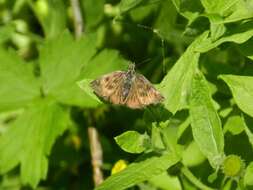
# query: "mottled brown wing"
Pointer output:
{"type": "Point", "coordinates": [143, 93]}
{"type": "Point", "coordinates": [109, 87]}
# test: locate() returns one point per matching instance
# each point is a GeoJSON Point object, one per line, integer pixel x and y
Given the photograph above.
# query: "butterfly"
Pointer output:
{"type": "Point", "coordinates": [126, 88]}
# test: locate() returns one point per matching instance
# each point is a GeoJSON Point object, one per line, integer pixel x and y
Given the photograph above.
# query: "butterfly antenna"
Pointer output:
{"type": "Point", "coordinates": [156, 32]}
{"type": "Point", "coordinates": [153, 30]}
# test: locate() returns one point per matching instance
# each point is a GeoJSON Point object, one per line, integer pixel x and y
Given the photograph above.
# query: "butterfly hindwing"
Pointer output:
{"type": "Point", "coordinates": [143, 93]}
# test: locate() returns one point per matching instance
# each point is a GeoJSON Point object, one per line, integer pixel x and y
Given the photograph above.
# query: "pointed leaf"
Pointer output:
{"type": "Point", "coordinates": [205, 122]}
{"type": "Point", "coordinates": [242, 90]}
{"type": "Point", "coordinates": [133, 142]}
{"type": "Point", "coordinates": [138, 172]}
{"type": "Point", "coordinates": [176, 84]}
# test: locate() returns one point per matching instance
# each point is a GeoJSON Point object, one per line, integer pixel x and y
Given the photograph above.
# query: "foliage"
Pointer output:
{"type": "Point", "coordinates": [199, 53]}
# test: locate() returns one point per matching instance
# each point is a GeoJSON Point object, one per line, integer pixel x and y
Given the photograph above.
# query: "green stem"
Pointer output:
{"type": "Point", "coordinates": [189, 175]}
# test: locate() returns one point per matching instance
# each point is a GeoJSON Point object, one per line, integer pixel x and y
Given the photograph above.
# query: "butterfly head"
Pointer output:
{"type": "Point", "coordinates": [131, 68]}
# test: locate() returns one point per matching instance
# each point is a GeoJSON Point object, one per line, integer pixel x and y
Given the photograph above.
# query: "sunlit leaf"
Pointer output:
{"type": "Point", "coordinates": [18, 83]}
{"type": "Point", "coordinates": [133, 142]}
{"type": "Point", "coordinates": [176, 85]}
{"type": "Point", "coordinates": [242, 90]}
{"type": "Point", "coordinates": [205, 122]}
{"type": "Point", "coordinates": [139, 171]}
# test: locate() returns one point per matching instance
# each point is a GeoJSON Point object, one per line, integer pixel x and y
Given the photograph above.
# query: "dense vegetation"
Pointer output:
{"type": "Point", "coordinates": [199, 53]}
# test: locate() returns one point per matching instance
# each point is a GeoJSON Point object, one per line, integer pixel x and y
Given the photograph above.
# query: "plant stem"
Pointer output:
{"type": "Point", "coordinates": [96, 155]}
{"type": "Point", "coordinates": [77, 17]}
{"type": "Point", "coordinates": [187, 173]}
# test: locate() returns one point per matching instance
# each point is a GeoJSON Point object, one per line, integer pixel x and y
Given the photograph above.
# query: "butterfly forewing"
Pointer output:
{"type": "Point", "coordinates": [109, 86]}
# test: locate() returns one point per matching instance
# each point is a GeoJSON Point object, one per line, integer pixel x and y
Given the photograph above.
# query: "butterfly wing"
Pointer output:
{"type": "Point", "coordinates": [143, 93]}
{"type": "Point", "coordinates": [109, 86]}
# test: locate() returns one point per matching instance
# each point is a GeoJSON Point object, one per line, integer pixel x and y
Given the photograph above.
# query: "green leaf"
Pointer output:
{"type": "Point", "coordinates": [29, 139]}
{"type": "Point", "coordinates": [61, 61]}
{"type": "Point", "coordinates": [242, 90]}
{"type": "Point", "coordinates": [176, 85]}
{"type": "Point", "coordinates": [139, 171]}
{"type": "Point", "coordinates": [6, 32]}
{"type": "Point", "coordinates": [248, 177]}
{"type": "Point", "coordinates": [51, 15]}
{"type": "Point", "coordinates": [234, 124]}
{"type": "Point", "coordinates": [18, 83]}
{"type": "Point", "coordinates": [239, 11]}
{"type": "Point", "coordinates": [217, 6]}
{"type": "Point", "coordinates": [205, 122]}
{"type": "Point", "coordinates": [133, 142]}
{"type": "Point", "coordinates": [239, 34]}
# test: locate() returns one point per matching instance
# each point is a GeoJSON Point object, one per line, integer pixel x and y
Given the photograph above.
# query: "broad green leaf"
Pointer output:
{"type": "Point", "coordinates": [51, 15]}
{"type": "Point", "coordinates": [242, 90]}
{"type": "Point", "coordinates": [139, 171]}
{"type": "Point", "coordinates": [239, 34]}
{"type": "Point", "coordinates": [18, 83]}
{"type": "Point", "coordinates": [61, 61]}
{"type": "Point", "coordinates": [176, 85]}
{"type": "Point", "coordinates": [205, 122]}
{"type": "Point", "coordinates": [218, 6]}
{"type": "Point", "coordinates": [29, 139]}
{"type": "Point", "coordinates": [133, 142]}
{"type": "Point", "coordinates": [229, 10]}
{"type": "Point", "coordinates": [248, 177]}
{"type": "Point", "coordinates": [242, 9]}
{"type": "Point", "coordinates": [234, 124]}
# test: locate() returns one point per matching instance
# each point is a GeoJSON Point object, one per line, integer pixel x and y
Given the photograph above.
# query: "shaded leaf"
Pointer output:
{"type": "Point", "coordinates": [29, 139]}
{"type": "Point", "coordinates": [205, 122]}
{"type": "Point", "coordinates": [133, 142]}
{"type": "Point", "coordinates": [242, 90]}
{"type": "Point", "coordinates": [18, 83]}
{"type": "Point", "coordinates": [139, 171]}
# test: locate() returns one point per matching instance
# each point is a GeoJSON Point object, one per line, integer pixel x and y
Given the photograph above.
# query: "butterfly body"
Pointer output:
{"type": "Point", "coordinates": [126, 88]}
